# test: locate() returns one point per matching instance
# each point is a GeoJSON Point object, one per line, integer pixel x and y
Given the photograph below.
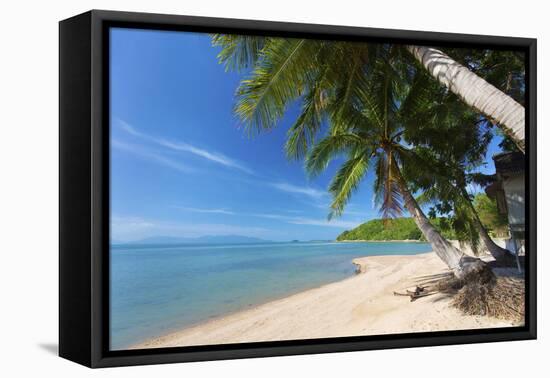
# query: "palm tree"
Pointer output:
{"type": "Point", "coordinates": [474, 91]}
{"type": "Point", "coordinates": [357, 88]}
{"type": "Point", "coordinates": [370, 134]}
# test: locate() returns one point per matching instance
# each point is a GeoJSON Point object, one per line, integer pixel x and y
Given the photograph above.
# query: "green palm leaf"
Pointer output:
{"type": "Point", "coordinates": [345, 182]}
{"type": "Point", "coordinates": [302, 134]}
{"type": "Point", "coordinates": [238, 51]}
{"type": "Point", "coordinates": [279, 77]}
{"type": "Point", "coordinates": [329, 148]}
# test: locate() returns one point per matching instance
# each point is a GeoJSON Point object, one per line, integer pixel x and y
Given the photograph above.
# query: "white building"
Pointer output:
{"type": "Point", "coordinates": [509, 192]}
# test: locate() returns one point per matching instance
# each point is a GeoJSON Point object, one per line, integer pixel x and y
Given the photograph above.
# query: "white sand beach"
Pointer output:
{"type": "Point", "coordinates": [357, 306]}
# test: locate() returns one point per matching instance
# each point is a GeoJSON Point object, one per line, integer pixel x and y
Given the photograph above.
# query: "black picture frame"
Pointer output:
{"type": "Point", "coordinates": [84, 190]}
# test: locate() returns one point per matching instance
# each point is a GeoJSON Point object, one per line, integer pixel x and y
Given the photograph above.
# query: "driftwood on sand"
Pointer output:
{"type": "Point", "coordinates": [419, 292]}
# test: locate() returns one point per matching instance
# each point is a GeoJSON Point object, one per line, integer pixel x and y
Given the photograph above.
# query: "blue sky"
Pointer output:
{"type": "Point", "coordinates": [181, 164]}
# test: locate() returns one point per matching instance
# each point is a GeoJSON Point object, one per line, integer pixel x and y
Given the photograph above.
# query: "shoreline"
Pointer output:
{"type": "Point", "coordinates": [359, 305]}
{"type": "Point", "coordinates": [359, 269]}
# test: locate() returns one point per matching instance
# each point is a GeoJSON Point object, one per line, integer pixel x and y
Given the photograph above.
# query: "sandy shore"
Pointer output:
{"type": "Point", "coordinates": [360, 305]}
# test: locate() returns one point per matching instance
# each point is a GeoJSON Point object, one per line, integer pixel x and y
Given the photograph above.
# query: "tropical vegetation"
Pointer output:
{"type": "Point", "coordinates": [393, 229]}
{"type": "Point", "coordinates": [406, 229]}
{"type": "Point", "coordinates": [494, 221]}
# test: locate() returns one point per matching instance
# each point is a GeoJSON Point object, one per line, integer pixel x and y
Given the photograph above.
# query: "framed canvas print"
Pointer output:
{"type": "Point", "coordinates": [233, 188]}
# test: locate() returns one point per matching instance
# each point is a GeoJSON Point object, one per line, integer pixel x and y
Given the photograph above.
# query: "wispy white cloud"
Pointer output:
{"type": "Point", "coordinates": [150, 155]}
{"type": "Point", "coordinates": [293, 211]}
{"type": "Point", "coordinates": [355, 210]}
{"type": "Point", "coordinates": [132, 222]}
{"type": "Point", "coordinates": [283, 218]}
{"type": "Point", "coordinates": [290, 217]}
{"type": "Point", "coordinates": [308, 221]}
{"type": "Point", "coordinates": [307, 191]}
{"type": "Point", "coordinates": [324, 223]}
{"type": "Point", "coordinates": [268, 216]}
{"type": "Point", "coordinates": [206, 211]}
{"type": "Point", "coordinates": [130, 129]}
{"type": "Point", "coordinates": [180, 146]}
{"type": "Point", "coordinates": [215, 157]}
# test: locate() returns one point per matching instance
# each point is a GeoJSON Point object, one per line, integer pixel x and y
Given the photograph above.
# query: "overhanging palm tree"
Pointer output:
{"type": "Point", "coordinates": [370, 136]}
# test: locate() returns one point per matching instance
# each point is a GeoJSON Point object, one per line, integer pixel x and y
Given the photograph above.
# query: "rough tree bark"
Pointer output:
{"type": "Point", "coordinates": [475, 91]}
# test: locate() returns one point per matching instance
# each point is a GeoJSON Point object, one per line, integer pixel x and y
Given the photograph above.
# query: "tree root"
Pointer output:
{"type": "Point", "coordinates": [477, 291]}
{"type": "Point", "coordinates": [482, 293]}
{"type": "Point", "coordinates": [504, 299]}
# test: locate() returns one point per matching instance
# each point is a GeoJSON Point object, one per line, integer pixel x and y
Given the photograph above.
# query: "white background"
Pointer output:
{"type": "Point", "coordinates": [29, 186]}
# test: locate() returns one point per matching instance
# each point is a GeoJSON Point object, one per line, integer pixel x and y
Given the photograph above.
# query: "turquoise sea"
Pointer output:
{"type": "Point", "coordinates": [156, 289]}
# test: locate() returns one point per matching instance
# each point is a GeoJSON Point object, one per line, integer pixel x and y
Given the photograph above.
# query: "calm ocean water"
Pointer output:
{"type": "Point", "coordinates": [159, 288]}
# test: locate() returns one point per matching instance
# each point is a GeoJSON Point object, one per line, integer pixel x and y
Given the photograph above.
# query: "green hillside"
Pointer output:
{"type": "Point", "coordinates": [390, 229]}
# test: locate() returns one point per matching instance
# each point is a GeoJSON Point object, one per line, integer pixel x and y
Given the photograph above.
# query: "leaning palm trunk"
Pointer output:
{"type": "Point", "coordinates": [500, 254]}
{"type": "Point", "coordinates": [475, 92]}
{"type": "Point", "coordinates": [462, 265]}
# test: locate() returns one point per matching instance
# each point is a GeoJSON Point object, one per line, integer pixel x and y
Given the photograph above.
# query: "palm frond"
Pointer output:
{"type": "Point", "coordinates": [238, 51]}
{"type": "Point", "coordinates": [302, 134]}
{"type": "Point", "coordinates": [347, 84]}
{"type": "Point", "coordinates": [329, 148]}
{"type": "Point", "coordinates": [279, 77]}
{"type": "Point", "coordinates": [345, 182]}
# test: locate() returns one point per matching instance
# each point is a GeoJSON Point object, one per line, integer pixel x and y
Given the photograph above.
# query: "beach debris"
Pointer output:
{"type": "Point", "coordinates": [503, 298]}
{"type": "Point", "coordinates": [500, 296]}
{"type": "Point", "coordinates": [418, 292]}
